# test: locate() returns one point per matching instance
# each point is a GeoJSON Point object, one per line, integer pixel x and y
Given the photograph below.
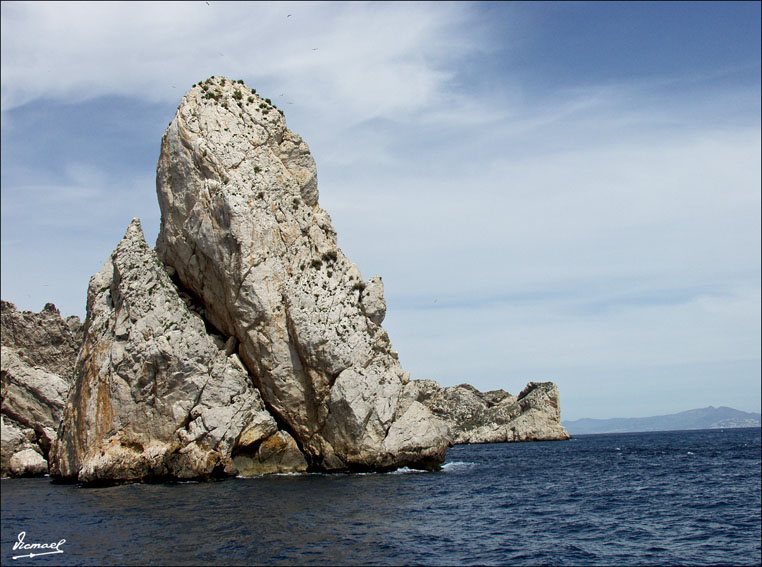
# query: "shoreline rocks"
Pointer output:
{"type": "Point", "coordinates": [37, 358]}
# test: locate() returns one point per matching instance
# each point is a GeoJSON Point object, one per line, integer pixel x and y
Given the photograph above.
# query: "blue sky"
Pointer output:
{"type": "Point", "coordinates": [551, 191]}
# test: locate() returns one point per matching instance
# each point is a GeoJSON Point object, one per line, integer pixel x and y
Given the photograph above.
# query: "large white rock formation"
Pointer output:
{"type": "Point", "coordinates": [242, 228]}
{"type": "Point", "coordinates": [246, 343]}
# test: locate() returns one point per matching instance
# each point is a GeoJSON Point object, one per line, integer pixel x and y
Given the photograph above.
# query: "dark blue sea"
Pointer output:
{"type": "Point", "coordinates": [670, 498]}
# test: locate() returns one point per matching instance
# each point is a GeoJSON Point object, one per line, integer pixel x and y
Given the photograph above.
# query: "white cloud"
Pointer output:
{"type": "Point", "coordinates": [638, 251]}
{"type": "Point", "coordinates": [366, 59]}
{"type": "Point", "coordinates": [630, 359]}
{"type": "Point", "coordinates": [658, 209]}
{"type": "Point", "coordinates": [601, 226]}
{"type": "Point", "coordinates": [55, 236]}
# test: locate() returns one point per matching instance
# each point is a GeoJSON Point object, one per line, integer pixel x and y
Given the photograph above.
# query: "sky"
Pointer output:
{"type": "Point", "coordinates": [551, 191]}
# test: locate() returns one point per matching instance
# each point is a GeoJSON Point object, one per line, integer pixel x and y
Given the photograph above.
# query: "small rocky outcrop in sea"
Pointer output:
{"type": "Point", "coordinates": [241, 225]}
{"type": "Point", "coordinates": [39, 351]}
{"type": "Point", "coordinates": [495, 416]}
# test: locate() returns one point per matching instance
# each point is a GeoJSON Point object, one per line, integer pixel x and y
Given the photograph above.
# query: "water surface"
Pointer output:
{"type": "Point", "coordinates": [669, 498]}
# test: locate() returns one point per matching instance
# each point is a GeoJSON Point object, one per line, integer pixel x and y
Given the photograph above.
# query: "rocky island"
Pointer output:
{"type": "Point", "coordinates": [245, 343]}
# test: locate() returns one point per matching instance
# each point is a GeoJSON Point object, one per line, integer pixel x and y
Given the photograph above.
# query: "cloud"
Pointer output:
{"type": "Point", "coordinates": [522, 232]}
{"type": "Point", "coordinates": [633, 248]}
{"type": "Point", "coordinates": [635, 358]}
{"type": "Point", "coordinates": [367, 59]}
{"type": "Point", "coordinates": [660, 208]}
{"type": "Point", "coordinates": [56, 235]}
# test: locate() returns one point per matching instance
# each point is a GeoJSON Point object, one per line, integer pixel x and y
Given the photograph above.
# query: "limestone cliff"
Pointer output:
{"type": "Point", "coordinates": [42, 340]}
{"type": "Point", "coordinates": [39, 351]}
{"type": "Point", "coordinates": [241, 225]}
{"type": "Point", "coordinates": [495, 416]}
{"type": "Point", "coordinates": [155, 396]}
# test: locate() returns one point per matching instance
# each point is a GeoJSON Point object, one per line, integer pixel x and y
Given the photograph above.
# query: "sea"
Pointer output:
{"type": "Point", "coordinates": [659, 498]}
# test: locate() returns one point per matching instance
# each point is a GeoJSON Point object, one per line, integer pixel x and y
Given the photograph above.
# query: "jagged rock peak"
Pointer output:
{"type": "Point", "coordinates": [43, 339]}
{"type": "Point", "coordinates": [241, 226]}
{"type": "Point", "coordinates": [230, 127]}
{"type": "Point", "coordinates": [155, 395]}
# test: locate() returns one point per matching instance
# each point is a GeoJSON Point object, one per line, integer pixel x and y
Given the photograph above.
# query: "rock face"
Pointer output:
{"type": "Point", "coordinates": [39, 351]}
{"type": "Point", "coordinates": [42, 340]}
{"type": "Point", "coordinates": [156, 396]}
{"type": "Point", "coordinates": [242, 228]}
{"type": "Point", "coordinates": [495, 416]}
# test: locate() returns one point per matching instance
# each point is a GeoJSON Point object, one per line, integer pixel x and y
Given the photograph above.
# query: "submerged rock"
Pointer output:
{"type": "Point", "coordinates": [39, 351]}
{"type": "Point", "coordinates": [241, 226]}
{"type": "Point", "coordinates": [155, 396]}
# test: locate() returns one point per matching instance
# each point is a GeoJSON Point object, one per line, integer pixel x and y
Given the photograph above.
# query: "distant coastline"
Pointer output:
{"type": "Point", "coordinates": [704, 418]}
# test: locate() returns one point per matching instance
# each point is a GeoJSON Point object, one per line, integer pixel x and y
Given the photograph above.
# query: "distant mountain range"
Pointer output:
{"type": "Point", "coordinates": [704, 418]}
